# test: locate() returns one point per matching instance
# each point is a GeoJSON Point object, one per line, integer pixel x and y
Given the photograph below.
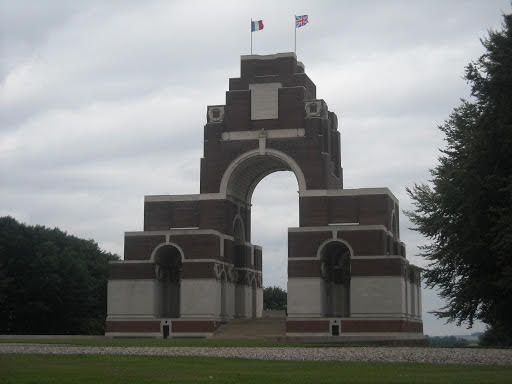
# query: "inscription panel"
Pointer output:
{"type": "Point", "coordinates": [264, 101]}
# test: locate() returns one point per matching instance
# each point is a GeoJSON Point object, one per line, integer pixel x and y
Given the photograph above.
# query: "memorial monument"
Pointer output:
{"type": "Point", "coordinates": [194, 268]}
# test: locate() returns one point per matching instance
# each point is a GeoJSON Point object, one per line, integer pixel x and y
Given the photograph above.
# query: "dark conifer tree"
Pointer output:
{"type": "Point", "coordinates": [466, 209]}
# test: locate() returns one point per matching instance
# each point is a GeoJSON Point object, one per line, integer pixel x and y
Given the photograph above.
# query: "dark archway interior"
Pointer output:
{"type": "Point", "coordinates": [223, 295]}
{"type": "Point", "coordinates": [168, 267]}
{"type": "Point", "coordinates": [335, 258]}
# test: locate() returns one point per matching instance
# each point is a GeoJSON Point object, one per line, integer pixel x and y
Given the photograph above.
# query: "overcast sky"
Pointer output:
{"type": "Point", "coordinates": [103, 102]}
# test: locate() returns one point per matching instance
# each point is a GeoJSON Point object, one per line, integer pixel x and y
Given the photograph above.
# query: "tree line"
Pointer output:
{"type": "Point", "coordinates": [50, 282]}
{"type": "Point", "coordinates": [274, 299]}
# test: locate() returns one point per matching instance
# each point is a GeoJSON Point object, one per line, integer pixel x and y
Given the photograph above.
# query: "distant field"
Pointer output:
{"type": "Point", "coordinates": [144, 369]}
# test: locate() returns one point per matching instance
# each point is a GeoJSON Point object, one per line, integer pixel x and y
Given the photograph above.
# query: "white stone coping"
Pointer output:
{"type": "Point", "coordinates": [190, 197]}
{"type": "Point", "coordinates": [190, 232]}
{"type": "Point", "coordinates": [349, 192]}
{"type": "Point", "coordinates": [269, 134]}
{"type": "Point", "coordinates": [187, 231]}
{"type": "Point", "coordinates": [340, 228]}
{"type": "Point", "coordinates": [303, 193]}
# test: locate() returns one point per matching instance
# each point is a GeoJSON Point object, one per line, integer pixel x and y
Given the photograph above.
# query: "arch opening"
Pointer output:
{"type": "Point", "coordinates": [240, 180]}
{"type": "Point", "coordinates": [275, 208]}
{"type": "Point", "coordinates": [168, 266]}
{"type": "Point", "coordinates": [335, 268]}
{"type": "Point", "coordinates": [244, 174]}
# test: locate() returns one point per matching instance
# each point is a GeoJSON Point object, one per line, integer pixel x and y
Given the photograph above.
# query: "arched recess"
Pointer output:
{"type": "Point", "coordinates": [245, 172]}
{"type": "Point", "coordinates": [167, 244]}
{"type": "Point", "coordinates": [239, 230]}
{"type": "Point", "coordinates": [239, 237]}
{"type": "Point", "coordinates": [168, 266]}
{"type": "Point", "coordinates": [223, 295]}
{"type": "Point", "coordinates": [335, 267]}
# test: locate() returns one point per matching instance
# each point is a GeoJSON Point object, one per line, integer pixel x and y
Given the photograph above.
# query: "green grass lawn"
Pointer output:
{"type": "Point", "coordinates": [79, 369]}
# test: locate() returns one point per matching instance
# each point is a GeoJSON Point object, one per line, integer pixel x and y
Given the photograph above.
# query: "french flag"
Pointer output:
{"type": "Point", "coordinates": [256, 25]}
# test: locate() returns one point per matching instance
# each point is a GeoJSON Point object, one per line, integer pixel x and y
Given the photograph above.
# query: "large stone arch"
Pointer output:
{"type": "Point", "coordinates": [245, 172]}
{"type": "Point", "coordinates": [272, 121]}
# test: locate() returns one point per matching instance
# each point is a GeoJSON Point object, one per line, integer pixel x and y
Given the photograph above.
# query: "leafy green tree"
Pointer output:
{"type": "Point", "coordinates": [274, 298]}
{"type": "Point", "coordinates": [50, 282]}
{"type": "Point", "coordinates": [466, 210]}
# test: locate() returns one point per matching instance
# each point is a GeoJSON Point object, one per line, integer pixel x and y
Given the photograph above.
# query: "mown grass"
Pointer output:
{"type": "Point", "coordinates": [74, 369]}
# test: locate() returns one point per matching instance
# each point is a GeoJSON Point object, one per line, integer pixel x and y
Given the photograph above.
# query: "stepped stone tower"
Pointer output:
{"type": "Point", "coordinates": [193, 267]}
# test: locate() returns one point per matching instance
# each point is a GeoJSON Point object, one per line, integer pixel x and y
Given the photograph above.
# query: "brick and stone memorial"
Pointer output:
{"type": "Point", "coordinates": [194, 268]}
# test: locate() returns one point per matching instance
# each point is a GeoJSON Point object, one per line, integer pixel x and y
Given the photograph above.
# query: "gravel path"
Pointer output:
{"type": "Point", "coordinates": [398, 354]}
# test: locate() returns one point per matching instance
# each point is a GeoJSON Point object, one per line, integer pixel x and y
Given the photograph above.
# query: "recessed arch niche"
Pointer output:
{"type": "Point", "coordinates": [335, 269]}
{"type": "Point", "coordinates": [168, 266]}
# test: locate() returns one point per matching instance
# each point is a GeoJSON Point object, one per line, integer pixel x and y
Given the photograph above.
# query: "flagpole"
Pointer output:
{"type": "Point", "coordinates": [251, 36]}
{"type": "Point", "coordinates": [295, 30]}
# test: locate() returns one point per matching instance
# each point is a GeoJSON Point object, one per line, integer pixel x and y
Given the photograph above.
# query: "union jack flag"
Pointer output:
{"type": "Point", "coordinates": [301, 21]}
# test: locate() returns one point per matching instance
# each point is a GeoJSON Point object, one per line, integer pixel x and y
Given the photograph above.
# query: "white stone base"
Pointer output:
{"type": "Point", "coordinates": [304, 297]}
